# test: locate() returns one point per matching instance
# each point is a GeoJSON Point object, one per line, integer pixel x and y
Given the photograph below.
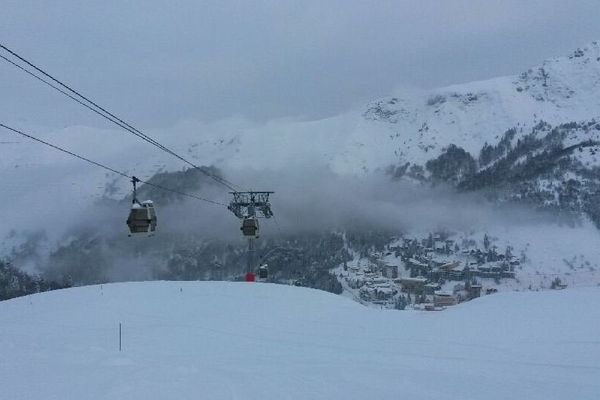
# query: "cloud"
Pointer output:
{"type": "Point", "coordinates": [165, 62]}
{"type": "Point", "coordinates": [46, 191]}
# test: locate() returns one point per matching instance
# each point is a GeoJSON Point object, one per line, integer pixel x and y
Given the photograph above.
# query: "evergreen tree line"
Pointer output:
{"type": "Point", "coordinates": [16, 283]}
{"type": "Point", "coordinates": [513, 170]}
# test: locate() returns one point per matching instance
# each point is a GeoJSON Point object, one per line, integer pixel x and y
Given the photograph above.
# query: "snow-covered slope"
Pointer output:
{"type": "Point", "coordinates": [469, 115]}
{"type": "Point", "coordinates": [191, 340]}
{"type": "Point", "coordinates": [415, 126]}
{"type": "Point", "coordinates": [412, 126]}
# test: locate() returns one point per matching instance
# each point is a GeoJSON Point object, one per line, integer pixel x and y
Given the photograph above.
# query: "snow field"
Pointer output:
{"type": "Point", "coordinates": [217, 340]}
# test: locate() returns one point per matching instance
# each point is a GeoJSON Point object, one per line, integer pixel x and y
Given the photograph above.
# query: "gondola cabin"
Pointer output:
{"type": "Point", "coordinates": [250, 227]}
{"type": "Point", "coordinates": [142, 218]}
{"type": "Point", "coordinates": [263, 272]}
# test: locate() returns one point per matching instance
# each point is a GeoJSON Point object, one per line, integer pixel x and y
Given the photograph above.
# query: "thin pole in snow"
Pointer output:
{"type": "Point", "coordinates": [119, 336]}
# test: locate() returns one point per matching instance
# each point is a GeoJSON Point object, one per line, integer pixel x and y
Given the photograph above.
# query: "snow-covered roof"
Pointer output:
{"type": "Point", "coordinates": [417, 262]}
{"type": "Point", "coordinates": [416, 280]}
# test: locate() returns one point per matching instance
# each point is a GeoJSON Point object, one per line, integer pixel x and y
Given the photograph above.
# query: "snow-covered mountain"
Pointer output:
{"type": "Point", "coordinates": [529, 138]}
{"type": "Point", "coordinates": [410, 127]}
{"type": "Point", "coordinates": [218, 340]}
{"type": "Point", "coordinates": [416, 126]}
{"type": "Point", "coordinates": [561, 90]}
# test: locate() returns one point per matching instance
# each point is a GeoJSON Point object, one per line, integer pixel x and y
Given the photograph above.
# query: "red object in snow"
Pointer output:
{"type": "Point", "coordinates": [250, 277]}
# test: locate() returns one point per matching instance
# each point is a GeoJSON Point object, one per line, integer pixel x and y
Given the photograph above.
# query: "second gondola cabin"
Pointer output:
{"type": "Point", "coordinates": [142, 218]}
{"type": "Point", "coordinates": [263, 272]}
{"type": "Point", "coordinates": [250, 227]}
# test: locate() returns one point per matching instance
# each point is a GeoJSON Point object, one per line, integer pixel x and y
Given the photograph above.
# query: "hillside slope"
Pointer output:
{"type": "Point", "coordinates": [190, 340]}
{"type": "Point", "coordinates": [560, 90]}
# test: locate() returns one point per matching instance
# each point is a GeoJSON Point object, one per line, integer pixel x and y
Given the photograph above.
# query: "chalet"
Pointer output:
{"type": "Point", "coordinates": [367, 293]}
{"type": "Point", "coordinates": [443, 262]}
{"type": "Point", "coordinates": [427, 307]}
{"type": "Point", "coordinates": [442, 299]}
{"type": "Point", "coordinates": [508, 274]}
{"type": "Point", "coordinates": [417, 267]}
{"type": "Point", "coordinates": [431, 288]}
{"type": "Point", "coordinates": [439, 247]}
{"type": "Point", "coordinates": [473, 291]}
{"type": "Point", "coordinates": [378, 281]}
{"type": "Point", "coordinates": [514, 261]}
{"type": "Point", "coordinates": [459, 287]}
{"type": "Point", "coordinates": [370, 270]}
{"type": "Point", "coordinates": [493, 256]}
{"type": "Point", "coordinates": [447, 270]}
{"type": "Point", "coordinates": [413, 285]}
{"type": "Point", "coordinates": [497, 269]}
{"type": "Point", "coordinates": [385, 292]}
{"type": "Point", "coordinates": [488, 271]}
{"type": "Point", "coordinates": [390, 271]}
{"type": "Point", "coordinates": [377, 293]}
{"type": "Point", "coordinates": [560, 286]}
{"type": "Point", "coordinates": [456, 275]}
{"type": "Point", "coordinates": [356, 281]}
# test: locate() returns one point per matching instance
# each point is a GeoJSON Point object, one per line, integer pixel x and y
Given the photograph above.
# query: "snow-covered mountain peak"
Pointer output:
{"type": "Point", "coordinates": [558, 80]}
{"type": "Point", "coordinates": [560, 90]}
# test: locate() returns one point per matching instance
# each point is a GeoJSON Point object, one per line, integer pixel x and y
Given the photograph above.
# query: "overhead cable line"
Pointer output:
{"type": "Point", "coordinates": [91, 105]}
{"type": "Point", "coordinates": [62, 91]}
{"type": "Point", "coordinates": [107, 167]}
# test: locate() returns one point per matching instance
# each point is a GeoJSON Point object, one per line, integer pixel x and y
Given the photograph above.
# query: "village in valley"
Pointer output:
{"type": "Point", "coordinates": [428, 273]}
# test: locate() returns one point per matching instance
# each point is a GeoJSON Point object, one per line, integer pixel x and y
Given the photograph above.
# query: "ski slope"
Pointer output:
{"type": "Point", "coordinates": [217, 340]}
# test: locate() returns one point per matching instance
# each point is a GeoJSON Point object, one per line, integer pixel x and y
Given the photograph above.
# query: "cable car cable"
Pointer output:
{"type": "Point", "coordinates": [277, 225]}
{"type": "Point", "coordinates": [70, 96]}
{"type": "Point", "coordinates": [61, 91]}
{"type": "Point", "coordinates": [114, 119]}
{"type": "Point", "coordinates": [107, 167]}
{"type": "Point", "coordinates": [109, 116]}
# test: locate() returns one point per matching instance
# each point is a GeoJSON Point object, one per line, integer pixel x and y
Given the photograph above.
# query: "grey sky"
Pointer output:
{"type": "Point", "coordinates": [159, 62]}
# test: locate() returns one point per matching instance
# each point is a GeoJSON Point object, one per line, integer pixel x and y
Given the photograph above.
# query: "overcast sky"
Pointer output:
{"type": "Point", "coordinates": [159, 62]}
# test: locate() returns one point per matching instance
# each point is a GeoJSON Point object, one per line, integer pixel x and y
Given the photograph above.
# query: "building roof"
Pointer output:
{"type": "Point", "coordinates": [415, 280]}
{"type": "Point", "coordinates": [417, 262]}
